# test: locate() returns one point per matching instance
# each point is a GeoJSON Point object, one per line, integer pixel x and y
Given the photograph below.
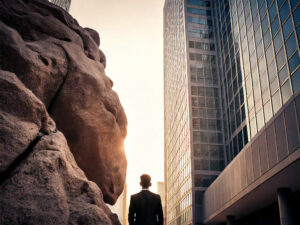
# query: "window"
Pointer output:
{"type": "Point", "coordinates": [196, 11]}
{"type": "Point", "coordinates": [283, 74]}
{"type": "Point", "coordinates": [296, 14]}
{"type": "Point", "coordinates": [275, 25]}
{"type": "Point", "coordinates": [267, 38]}
{"type": "Point", "coordinates": [296, 81]}
{"type": "Point", "coordinates": [291, 45]}
{"type": "Point", "coordinates": [276, 101]}
{"type": "Point", "coordinates": [284, 11]}
{"type": "Point", "coordinates": [272, 11]}
{"type": "Point", "coordinates": [269, 54]}
{"type": "Point", "coordinates": [294, 62]}
{"type": "Point", "coordinates": [280, 58]}
{"type": "Point", "coordinates": [277, 41]}
{"type": "Point", "coordinates": [287, 28]}
{"type": "Point", "coordinates": [286, 91]}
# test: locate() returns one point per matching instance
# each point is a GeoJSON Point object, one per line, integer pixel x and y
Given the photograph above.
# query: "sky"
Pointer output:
{"type": "Point", "coordinates": [131, 33]}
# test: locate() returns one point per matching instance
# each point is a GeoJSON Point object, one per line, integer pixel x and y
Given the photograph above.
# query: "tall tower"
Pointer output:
{"type": "Point", "coordinates": [230, 67]}
{"type": "Point", "coordinates": [194, 145]}
{"type": "Point", "coordinates": [65, 4]}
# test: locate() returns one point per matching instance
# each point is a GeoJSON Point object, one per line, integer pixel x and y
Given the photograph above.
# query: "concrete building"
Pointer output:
{"type": "Point", "coordinates": [65, 4]}
{"type": "Point", "coordinates": [231, 87]}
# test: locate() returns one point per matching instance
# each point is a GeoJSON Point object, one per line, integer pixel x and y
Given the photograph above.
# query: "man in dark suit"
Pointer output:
{"type": "Point", "coordinates": [145, 207]}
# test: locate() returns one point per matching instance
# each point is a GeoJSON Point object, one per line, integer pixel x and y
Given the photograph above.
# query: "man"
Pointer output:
{"type": "Point", "coordinates": [145, 207]}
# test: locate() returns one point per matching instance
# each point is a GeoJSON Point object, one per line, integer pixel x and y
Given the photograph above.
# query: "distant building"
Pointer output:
{"type": "Point", "coordinates": [120, 208]}
{"type": "Point", "coordinates": [161, 192]}
{"type": "Point", "coordinates": [65, 4]}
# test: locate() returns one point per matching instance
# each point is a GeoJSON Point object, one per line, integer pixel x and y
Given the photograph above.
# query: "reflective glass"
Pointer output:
{"type": "Point", "coordinates": [296, 15]}
{"type": "Point", "coordinates": [276, 101]}
{"type": "Point", "coordinates": [272, 11]}
{"type": "Point", "coordinates": [267, 38]}
{"type": "Point", "coordinates": [269, 54]}
{"type": "Point", "coordinates": [272, 71]}
{"type": "Point", "coordinates": [264, 24]}
{"type": "Point", "coordinates": [298, 33]}
{"type": "Point", "coordinates": [291, 45]}
{"type": "Point", "coordinates": [286, 91]}
{"type": "Point", "coordinates": [287, 28]}
{"type": "Point", "coordinates": [294, 61]}
{"type": "Point", "coordinates": [280, 3]}
{"type": "Point", "coordinates": [274, 86]}
{"type": "Point", "coordinates": [259, 50]}
{"type": "Point", "coordinates": [280, 58]}
{"type": "Point", "coordinates": [296, 81]}
{"type": "Point", "coordinates": [277, 41]}
{"type": "Point", "coordinates": [294, 3]}
{"type": "Point", "coordinates": [284, 11]}
{"type": "Point", "coordinates": [283, 74]}
{"type": "Point", "coordinates": [275, 25]}
{"type": "Point", "coordinates": [263, 10]}
{"type": "Point", "coordinates": [256, 22]}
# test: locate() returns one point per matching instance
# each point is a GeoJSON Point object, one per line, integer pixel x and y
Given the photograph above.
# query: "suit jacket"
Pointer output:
{"type": "Point", "coordinates": [145, 209]}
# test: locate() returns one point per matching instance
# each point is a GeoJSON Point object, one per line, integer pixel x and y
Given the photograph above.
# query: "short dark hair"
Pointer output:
{"type": "Point", "coordinates": [145, 180]}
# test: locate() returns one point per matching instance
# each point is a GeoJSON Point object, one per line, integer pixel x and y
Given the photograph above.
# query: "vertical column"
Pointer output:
{"type": "Point", "coordinates": [285, 206]}
{"type": "Point", "coordinates": [230, 220]}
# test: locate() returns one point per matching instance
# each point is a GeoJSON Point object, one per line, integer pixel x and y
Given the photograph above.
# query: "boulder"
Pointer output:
{"type": "Point", "coordinates": [61, 64]}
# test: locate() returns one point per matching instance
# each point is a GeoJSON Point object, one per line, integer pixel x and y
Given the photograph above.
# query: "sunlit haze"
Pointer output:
{"type": "Point", "coordinates": [132, 39]}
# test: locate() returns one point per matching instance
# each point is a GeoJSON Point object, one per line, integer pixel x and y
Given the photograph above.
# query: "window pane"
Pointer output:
{"type": "Point", "coordinates": [280, 58]}
{"type": "Point", "coordinates": [264, 24]}
{"type": "Point", "coordinates": [276, 102]}
{"type": "Point", "coordinates": [272, 71]}
{"type": "Point", "coordinates": [287, 28]}
{"type": "Point", "coordinates": [294, 3]}
{"type": "Point", "coordinates": [267, 38]}
{"type": "Point", "coordinates": [294, 62]}
{"type": "Point", "coordinates": [296, 14]}
{"type": "Point", "coordinates": [277, 41]}
{"type": "Point", "coordinates": [283, 74]}
{"type": "Point", "coordinates": [284, 11]}
{"type": "Point", "coordinates": [291, 45]}
{"type": "Point", "coordinates": [296, 81]}
{"type": "Point", "coordinates": [272, 11]}
{"type": "Point", "coordinates": [286, 91]}
{"type": "Point", "coordinates": [269, 54]}
{"type": "Point", "coordinates": [275, 25]}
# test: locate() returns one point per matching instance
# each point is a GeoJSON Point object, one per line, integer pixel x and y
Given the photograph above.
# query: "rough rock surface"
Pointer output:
{"type": "Point", "coordinates": [52, 78]}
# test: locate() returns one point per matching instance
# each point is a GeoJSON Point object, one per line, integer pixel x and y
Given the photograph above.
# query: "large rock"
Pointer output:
{"type": "Point", "coordinates": [60, 62]}
{"type": "Point", "coordinates": [49, 188]}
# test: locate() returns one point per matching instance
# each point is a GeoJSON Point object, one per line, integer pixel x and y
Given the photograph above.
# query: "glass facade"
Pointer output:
{"type": "Point", "coordinates": [65, 4]}
{"type": "Point", "coordinates": [178, 177]}
{"type": "Point", "coordinates": [229, 66]}
{"type": "Point", "coordinates": [259, 64]}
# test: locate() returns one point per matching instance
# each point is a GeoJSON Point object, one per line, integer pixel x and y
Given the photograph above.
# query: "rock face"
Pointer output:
{"type": "Point", "coordinates": [55, 98]}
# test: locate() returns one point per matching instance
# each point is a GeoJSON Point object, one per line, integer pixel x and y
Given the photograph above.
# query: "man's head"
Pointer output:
{"type": "Point", "coordinates": [145, 181]}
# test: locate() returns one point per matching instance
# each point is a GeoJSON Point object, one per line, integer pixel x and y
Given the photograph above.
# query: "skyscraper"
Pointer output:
{"type": "Point", "coordinates": [231, 71]}
{"type": "Point", "coordinates": [65, 4]}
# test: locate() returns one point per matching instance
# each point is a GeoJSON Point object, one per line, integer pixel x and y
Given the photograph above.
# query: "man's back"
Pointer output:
{"type": "Point", "coordinates": [145, 209]}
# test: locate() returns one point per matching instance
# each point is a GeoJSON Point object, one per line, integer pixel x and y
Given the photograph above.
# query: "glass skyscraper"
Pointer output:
{"type": "Point", "coordinates": [65, 4]}
{"type": "Point", "coordinates": [229, 67]}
